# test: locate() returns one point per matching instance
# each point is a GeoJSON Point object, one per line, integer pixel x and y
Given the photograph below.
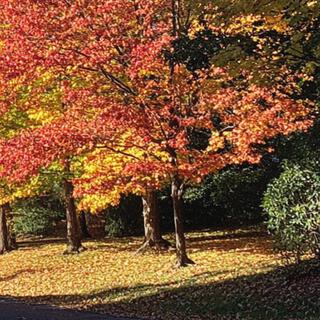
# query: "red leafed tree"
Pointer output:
{"type": "Point", "coordinates": [124, 51]}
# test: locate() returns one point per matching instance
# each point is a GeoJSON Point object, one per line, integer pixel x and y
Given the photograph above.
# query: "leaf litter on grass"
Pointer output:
{"type": "Point", "coordinates": [237, 276]}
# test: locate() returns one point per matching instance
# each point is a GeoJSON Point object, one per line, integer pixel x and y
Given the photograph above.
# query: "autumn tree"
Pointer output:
{"type": "Point", "coordinates": [105, 179]}
{"type": "Point", "coordinates": [40, 101]}
{"type": "Point", "coordinates": [134, 78]}
{"type": "Point", "coordinates": [11, 122]}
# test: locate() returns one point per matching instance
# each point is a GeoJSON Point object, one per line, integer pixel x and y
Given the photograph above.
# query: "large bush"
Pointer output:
{"type": "Point", "coordinates": [125, 219]}
{"type": "Point", "coordinates": [292, 203]}
{"type": "Point", "coordinates": [37, 216]}
{"type": "Point", "coordinates": [230, 197]}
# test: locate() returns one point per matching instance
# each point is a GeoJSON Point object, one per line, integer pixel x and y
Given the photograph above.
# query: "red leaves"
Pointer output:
{"type": "Point", "coordinates": [114, 80]}
{"type": "Point", "coordinates": [28, 152]}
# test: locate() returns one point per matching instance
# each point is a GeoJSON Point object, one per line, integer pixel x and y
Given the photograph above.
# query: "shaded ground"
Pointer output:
{"type": "Point", "coordinates": [237, 276]}
{"type": "Point", "coordinates": [13, 310]}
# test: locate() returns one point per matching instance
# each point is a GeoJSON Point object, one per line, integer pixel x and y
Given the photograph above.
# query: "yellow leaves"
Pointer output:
{"type": "Point", "coordinates": [276, 23]}
{"type": "Point", "coordinates": [216, 142]}
{"type": "Point", "coordinates": [95, 203]}
{"type": "Point", "coordinates": [103, 181]}
{"type": "Point", "coordinates": [41, 117]}
{"type": "Point", "coordinates": [195, 28]}
{"type": "Point", "coordinates": [46, 76]}
{"type": "Point", "coordinates": [71, 69]}
{"type": "Point", "coordinates": [257, 23]}
{"type": "Point", "coordinates": [9, 194]}
{"type": "Point", "coordinates": [110, 278]}
{"type": "Point", "coordinates": [101, 167]}
{"type": "Point", "coordinates": [29, 189]}
{"type": "Point", "coordinates": [312, 3]}
{"type": "Point", "coordinates": [39, 101]}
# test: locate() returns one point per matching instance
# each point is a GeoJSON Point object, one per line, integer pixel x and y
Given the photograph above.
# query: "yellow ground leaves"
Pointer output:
{"type": "Point", "coordinates": [109, 277]}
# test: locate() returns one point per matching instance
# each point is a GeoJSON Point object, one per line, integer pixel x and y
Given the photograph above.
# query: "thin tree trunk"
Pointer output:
{"type": "Point", "coordinates": [4, 243]}
{"type": "Point", "coordinates": [73, 226]}
{"type": "Point", "coordinates": [151, 220]}
{"type": "Point", "coordinates": [181, 251]}
{"type": "Point", "coordinates": [317, 242]}
{"type": "Point", "coordinates": [10, 226]}
{"type": "Point", "coordinates": [84, 226]}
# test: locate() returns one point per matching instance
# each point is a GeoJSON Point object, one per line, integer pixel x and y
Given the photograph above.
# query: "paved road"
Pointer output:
{"type": "Point", "coordinates": [14, 310]}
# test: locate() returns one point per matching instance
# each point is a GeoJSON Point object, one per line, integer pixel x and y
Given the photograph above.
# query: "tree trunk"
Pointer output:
{"type": "Point", "coordinates": [83, 226]}
{"type": "Point", "coordinates": [73, 226]}
{"type": "Point", "coordinates": [176, 194]}
{"type": "Point", "coordinates": [10, 226]}
{"type": "Point", "coordinates": [151, 221]}
{"type": "Point", "coordinates": [4, 243]}
{"type": "Point", "coordinates": [317, 242]}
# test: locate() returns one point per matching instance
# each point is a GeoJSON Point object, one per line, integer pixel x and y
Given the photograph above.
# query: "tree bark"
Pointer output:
{"type": "Point", "coordinates": [10, 226]}
{"type": "Point", "coordinates": [317, 242]}
{"type": "Point", "coordinates": [176, 184]}
{"type": "Point", "coordinates": [181, 251]}
{"type": "Point", "coordinates": [73, 226]}
{"type": "Point", "coordinates": [84, 226]}
{"type": "Point", "coordinates": [151, 219]}
{"type": "Point", "coordinates": [4, 235]}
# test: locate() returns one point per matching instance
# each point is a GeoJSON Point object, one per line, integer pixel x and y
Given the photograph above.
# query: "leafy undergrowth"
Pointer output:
{"type": "Point", "coordinates": [237, 276]}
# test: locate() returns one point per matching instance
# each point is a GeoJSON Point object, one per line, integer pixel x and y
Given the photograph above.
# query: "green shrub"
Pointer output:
{"type": "Point", "coordinates": [125, 219]}
{"type": "Point", "coordinates": [292, 203]}
{"type": "Point", "coordinates": [32, 218]}
{"type": "Point", "coordinates": [230, 197]}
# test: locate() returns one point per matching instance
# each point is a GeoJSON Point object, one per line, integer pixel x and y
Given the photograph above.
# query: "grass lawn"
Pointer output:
{"type": "Point", "coordinates": [237, 276]}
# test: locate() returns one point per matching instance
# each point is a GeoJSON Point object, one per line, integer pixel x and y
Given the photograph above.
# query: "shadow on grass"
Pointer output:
{"type": "Point", "coordinates": [287, 293]}
{"type": "Point", "coordinates": [35, 243]}
{"type": "Point", "coordinates": [227, 235]}
{"type": "Point", "coordinates": [120, 244]}
{"type": "Point", "coordinates": [246, 240]}
{"type": "Point", "coordinates": [16, 274]}
{"type": "Point", "coordinates": [28, 271]}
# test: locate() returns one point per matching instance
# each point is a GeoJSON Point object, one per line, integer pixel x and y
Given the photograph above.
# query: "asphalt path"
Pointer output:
{"type": "Point", "coordinates": [15, 310]}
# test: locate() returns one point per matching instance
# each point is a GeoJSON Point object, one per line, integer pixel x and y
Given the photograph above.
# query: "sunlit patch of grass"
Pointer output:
{"type": "Point", "coordinates": [234, 270]}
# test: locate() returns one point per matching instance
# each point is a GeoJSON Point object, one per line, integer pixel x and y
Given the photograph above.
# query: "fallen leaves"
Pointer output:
{"type": "Point", "coordinates": [236, 277]}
